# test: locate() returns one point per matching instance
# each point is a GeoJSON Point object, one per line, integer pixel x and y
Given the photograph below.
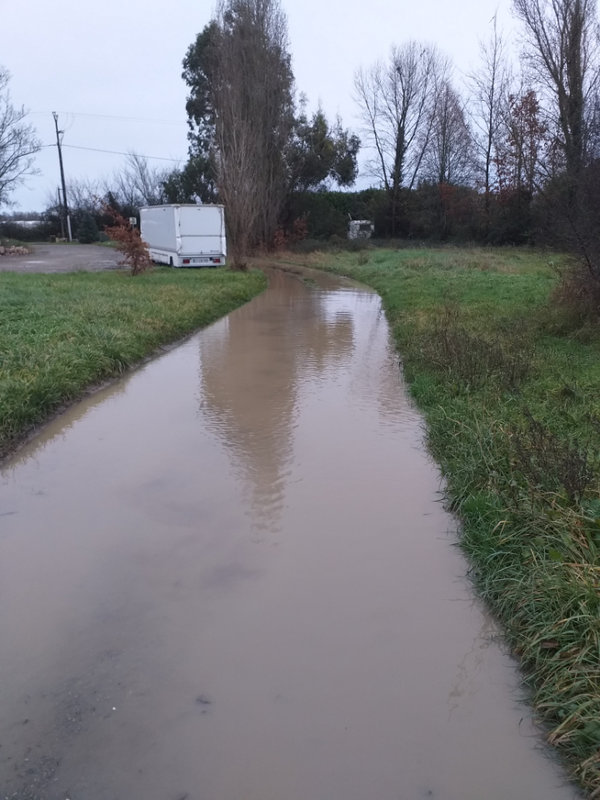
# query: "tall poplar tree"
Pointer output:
{"type": "Point", "coordinates": [241, 114]}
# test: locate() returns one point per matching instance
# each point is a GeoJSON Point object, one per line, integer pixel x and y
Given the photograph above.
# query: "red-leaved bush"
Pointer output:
{"type": "Point", "coordinates": [129, 242]}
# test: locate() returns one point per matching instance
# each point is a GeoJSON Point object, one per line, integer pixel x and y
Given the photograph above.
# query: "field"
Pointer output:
{"type": "Point", "coordinates": [61, 334]}
{"type": "Point", "coordinates": [509, 382]}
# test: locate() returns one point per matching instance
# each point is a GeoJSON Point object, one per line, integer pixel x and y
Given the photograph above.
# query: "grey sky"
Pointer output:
{"type": "Point", "coordinates": [113, 70]}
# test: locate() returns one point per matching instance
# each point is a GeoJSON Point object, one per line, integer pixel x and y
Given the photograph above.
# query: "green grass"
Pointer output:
{"type": "Point", "coordinates": [510, 388]}
{"type": "Point", "coordinates": [61, 334]}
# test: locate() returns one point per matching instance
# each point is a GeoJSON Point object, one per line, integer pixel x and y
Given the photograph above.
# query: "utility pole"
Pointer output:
{"type": "Point", "coordinates": [59, 205]}
{"type": "Point", "coordinates": [62, 177]}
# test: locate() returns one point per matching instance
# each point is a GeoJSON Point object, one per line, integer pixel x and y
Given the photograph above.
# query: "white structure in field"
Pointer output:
{"type": "Point", "coordinates": [185, 235]}
{"type": "Point", "coordinates": [360, 229]}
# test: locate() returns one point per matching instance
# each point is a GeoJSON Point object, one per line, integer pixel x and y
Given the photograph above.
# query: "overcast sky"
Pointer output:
{"type": "Point", "coordinates": [112, 70]}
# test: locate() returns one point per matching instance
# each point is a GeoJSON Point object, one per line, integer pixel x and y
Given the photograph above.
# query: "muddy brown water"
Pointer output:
{"type": "Point", "coordinates": [230, 576]}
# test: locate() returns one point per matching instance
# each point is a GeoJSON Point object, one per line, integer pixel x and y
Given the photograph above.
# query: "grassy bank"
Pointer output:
{"type": "Point", "coordinates": [60, 334]}
{"type": "Point", "coordinates": [510, 387]}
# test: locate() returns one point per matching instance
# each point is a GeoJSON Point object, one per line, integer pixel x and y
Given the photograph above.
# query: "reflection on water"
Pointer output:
{"type": "Point", "coordinates": [251, 368]}
{"type": "Point", "coordinates": [256, 366]}
{"type": "Point", "coordinates": [232, 579]}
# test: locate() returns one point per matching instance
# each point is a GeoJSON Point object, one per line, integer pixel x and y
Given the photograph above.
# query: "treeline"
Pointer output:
{"type": "Point", "coordinates": [431, 212]}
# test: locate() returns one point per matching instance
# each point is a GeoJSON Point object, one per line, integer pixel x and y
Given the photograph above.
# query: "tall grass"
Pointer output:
{"type": "Point", "coordinates": [60, 334]}
{"type": "Point", "coordinates": [509, 383]}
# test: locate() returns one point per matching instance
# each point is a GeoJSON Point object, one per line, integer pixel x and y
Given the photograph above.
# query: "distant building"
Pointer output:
{"type": "Point", "coordinates": [24, 223]}
{"type": "Point", "coordinates": [360, 229]}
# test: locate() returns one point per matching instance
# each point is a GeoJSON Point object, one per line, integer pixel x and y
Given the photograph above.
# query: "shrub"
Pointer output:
{"type": "Point", "coordinates": [27, 233]}
{"type": "Point", "coordinates": [551, 464]}
{"type": "Point", "coordinates": [578, 292]}
{"type": "Point", "coordinates": [473, 359]}
{"type": "Point", "coordinates": [88, 230]}
{"type": "Point", "coordinates": [129, 242]}
{"type": "Point", "coordinates": [305, 246]}
{"type": "Point", "coordinates": [357, 245]}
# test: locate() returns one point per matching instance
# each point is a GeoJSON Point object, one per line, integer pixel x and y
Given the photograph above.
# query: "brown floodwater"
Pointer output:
{"type": "Point", "coordinates": [230, 576]}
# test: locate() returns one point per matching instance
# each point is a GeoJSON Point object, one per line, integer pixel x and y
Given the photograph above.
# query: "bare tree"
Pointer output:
{"type": "Point", "coordinates": [449, 157]}
{"type": "Point", "coordinates": [522, 145]}
{"type": "Point", "coordinates": [397, 99]}
{"type": "Point", "coordinates": [82, 194]}
{"type": "Point", "coordinates": [562, 37]}
{"type": "Point", "coordinates": [138, 183]}
{"type": "Point", "coordinates": [489, 97]}
{"type": "Point", "coordinates": [18, 142]}
{"type": "Point", "coordinates": [85, 194]}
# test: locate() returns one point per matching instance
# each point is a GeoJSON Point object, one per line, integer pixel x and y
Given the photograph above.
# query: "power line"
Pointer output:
{"type": "Point", "coordinates": [117, 117]}
{"type": "Point", "coordinates": [116, 152]}
{"type": "Point", "coordinates": [119, 153]}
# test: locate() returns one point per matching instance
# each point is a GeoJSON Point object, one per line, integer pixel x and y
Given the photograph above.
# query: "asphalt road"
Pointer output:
{"type": "Point", "coordinates": [62, 258]}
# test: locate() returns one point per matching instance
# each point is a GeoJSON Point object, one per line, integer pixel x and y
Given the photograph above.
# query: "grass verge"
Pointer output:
{"type": "Point", "coordinates": [63, 333]}
{"type": "Point", "coordinates": [510, 388]}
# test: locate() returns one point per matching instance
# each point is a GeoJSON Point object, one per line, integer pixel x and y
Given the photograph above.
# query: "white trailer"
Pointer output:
{"type": "Point", "coordinates": [185, 235]}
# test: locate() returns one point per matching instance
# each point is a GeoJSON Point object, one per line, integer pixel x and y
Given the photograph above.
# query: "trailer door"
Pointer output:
{"type": "Point", "coordinates": [201, 230]}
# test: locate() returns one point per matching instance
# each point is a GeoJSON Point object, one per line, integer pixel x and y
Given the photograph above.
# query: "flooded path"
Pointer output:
{"type": "Point", "coordinates": [230, 577]}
